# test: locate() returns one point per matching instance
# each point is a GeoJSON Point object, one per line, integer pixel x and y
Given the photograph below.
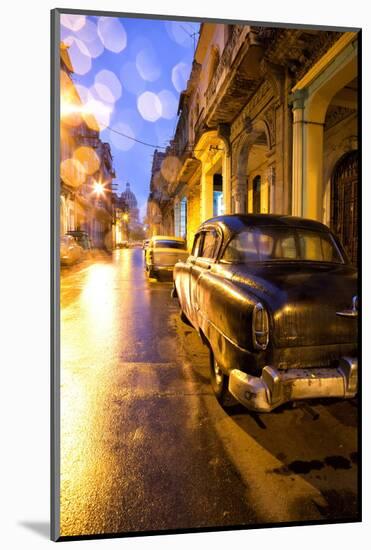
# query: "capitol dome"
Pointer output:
{"type": "Point", "coordinates": [129, 197]}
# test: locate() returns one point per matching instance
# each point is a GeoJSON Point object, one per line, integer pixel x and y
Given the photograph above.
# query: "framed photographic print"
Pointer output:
{"type": "Point", "coordinates": [205, 230]}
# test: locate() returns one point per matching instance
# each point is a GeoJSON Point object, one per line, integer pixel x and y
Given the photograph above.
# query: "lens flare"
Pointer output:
{"type": "Point", "coordinates": [112, 34]}
{"type": "Point", "coordinates": [98, 188]}
{"type": "Point", "coordinates": [97, 114]}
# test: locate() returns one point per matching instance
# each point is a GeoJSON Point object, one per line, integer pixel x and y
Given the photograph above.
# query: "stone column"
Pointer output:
{"type": "Point", "coordinates": [313, 169]}
{"type": "Point", "coordinates": [272, 188]}
{"type": "Point", "coordinates": [206, 194]}
{"type": "Point", "coordinates": [239, 195]}
{"type": "Point", "coordinates": [307, 161]}
{"type": "Point", "coordinates": [224, 132]}
{"type": "Point", "coordinates": [227, 183]}
{"type": "Point", "coordinates": [297, 153]}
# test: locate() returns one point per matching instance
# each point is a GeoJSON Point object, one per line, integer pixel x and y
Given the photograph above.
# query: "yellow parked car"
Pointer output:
{"type": "Point", "coordinates": [163, 252]}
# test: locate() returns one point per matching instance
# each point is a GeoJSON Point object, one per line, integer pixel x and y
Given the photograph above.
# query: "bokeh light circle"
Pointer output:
{"type": "Point", "coordinates": [112, 34]}
{"type": "Point", "coordinates": [73, 22]}
{"type": "Point", "coordinates": [79, 55]}
{"type": "Point", "coordinates": [108, 86]}
{"type": "Point", "coordinates": [88, 157]}
{"type": "Point", "coordinates": [149, 106]}
{"type": "Point", "coordinates": [148, 65]}
{"type": "Point", "coordinates": [121, 141]}
{"type": "Point", "coordinates": [169, 104]}
{"type": "Point", "coordinates": [72, 172]}
{"type": "Point", "coordinates": [179, 76]}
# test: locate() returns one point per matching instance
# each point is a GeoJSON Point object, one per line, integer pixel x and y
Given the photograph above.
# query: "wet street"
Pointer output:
{"type": "Point", "coordinates": [144, 444]}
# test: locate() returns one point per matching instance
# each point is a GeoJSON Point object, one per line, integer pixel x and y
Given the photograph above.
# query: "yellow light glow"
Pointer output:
{"type": "Point", "coordinates": [125, 217]}
{"type": "Point", "coordinates": [98, 188]}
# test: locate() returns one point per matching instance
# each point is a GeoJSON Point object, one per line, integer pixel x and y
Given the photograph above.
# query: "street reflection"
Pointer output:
{"type": "Point", "coordinates": [92, 345]}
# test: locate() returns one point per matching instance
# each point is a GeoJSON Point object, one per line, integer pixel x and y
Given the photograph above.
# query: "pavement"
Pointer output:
{"type": "Point", "coordinates": [144, 444]}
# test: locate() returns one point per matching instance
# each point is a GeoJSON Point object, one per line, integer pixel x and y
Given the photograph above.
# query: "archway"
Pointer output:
{"type": "Point", "coordinates": [252, 191]}
{"type": "Point", "coordinates": [344, 202]}
{"type": "Point", "coordinates": [213, 152]}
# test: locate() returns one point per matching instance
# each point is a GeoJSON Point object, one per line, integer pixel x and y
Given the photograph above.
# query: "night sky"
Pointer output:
{"type": "Point", "coordinates": [131, 72]}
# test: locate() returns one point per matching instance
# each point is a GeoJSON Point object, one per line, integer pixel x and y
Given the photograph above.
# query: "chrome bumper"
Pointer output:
{"type": "Point", "coordinates": [275, 387]}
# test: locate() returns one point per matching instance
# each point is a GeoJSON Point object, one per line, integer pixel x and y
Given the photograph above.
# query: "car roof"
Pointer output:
{"type": "Point", "coordinates": [166, 238]}
{"type": "Point", "coordinates": [237, 222]}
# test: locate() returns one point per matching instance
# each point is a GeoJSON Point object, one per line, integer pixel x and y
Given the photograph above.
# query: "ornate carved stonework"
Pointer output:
{"type": "Point", "coordinates": [296, 49]}
{"type": "Point", "coordinates": [337, 114]}
{"type": "Point", "coordinates": [253, 107]}
{"type": "Point", "coordinates": [238, 33]}
{"type": "Point", "coordinates": [270, 118]}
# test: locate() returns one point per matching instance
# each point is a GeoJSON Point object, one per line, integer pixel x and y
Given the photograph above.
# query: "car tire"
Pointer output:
{"type": "Point", "coordinates": [219, 382]}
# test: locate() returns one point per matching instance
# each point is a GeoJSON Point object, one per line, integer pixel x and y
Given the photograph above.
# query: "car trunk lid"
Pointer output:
{"type": "Point", "coordinates": [304, 301]}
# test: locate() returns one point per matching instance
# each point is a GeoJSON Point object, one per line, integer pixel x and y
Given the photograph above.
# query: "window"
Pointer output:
{"type": "Point", "coordinates": [170, 244]}
{"type": "Point", "coordinates": [183, 218]}
{"type": "Point", "coordinates": [211, 244]}
{"type": "Point", "coordinates": [197, 244]}
{"type": "Point", "coordinates": [314, 247]}
{"type": "Point", "coordinates": [280, 243]}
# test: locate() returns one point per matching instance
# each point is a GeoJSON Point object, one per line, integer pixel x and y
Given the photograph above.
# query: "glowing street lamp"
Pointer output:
{"type": "Point", "coordinates": [98, 188]}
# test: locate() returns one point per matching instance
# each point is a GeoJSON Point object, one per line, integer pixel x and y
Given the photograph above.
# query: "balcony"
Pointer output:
{"type": "Point", "coordinates": [236, 78]}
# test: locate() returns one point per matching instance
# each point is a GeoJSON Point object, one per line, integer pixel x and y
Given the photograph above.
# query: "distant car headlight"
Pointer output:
{"type": "Point", "coordinates": [260, 327]}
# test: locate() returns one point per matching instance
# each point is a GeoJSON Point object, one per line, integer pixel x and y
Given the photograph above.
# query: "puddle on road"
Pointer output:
{"type": "Point", "coordinates": [307, 466]}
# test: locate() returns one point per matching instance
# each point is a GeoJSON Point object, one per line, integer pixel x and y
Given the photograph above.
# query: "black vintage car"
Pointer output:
{"type": "Point", "coordinates": [274, 299]}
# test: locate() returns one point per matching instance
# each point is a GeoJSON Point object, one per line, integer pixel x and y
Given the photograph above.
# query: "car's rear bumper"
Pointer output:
{"type": "Point", "coordinates": [274, 387]}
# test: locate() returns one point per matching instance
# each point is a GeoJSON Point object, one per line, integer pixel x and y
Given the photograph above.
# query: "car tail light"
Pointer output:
{"type": "Point", "coordinates": [260, 327]}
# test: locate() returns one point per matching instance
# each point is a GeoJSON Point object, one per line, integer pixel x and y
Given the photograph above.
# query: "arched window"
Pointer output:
{"type": "Point", "coordinates": [344, 202]}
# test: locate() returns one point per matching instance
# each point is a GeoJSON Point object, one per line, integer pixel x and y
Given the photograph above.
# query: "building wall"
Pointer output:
{"type": "Point", "coordinates": [260, 111]}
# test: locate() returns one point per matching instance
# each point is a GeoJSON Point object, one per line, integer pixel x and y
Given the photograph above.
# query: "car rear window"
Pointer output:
{"type": "Point", "coordinates": [282, 244]}
{"type": "Point", "coordinates": [170, 244]}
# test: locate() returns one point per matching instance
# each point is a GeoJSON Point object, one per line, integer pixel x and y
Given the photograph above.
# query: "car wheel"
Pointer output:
{"type": "Point", "coordinates": [219, 382]}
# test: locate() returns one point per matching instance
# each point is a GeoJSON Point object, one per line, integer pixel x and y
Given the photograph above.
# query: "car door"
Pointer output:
{"type": "Point", "coordinates": [184, 276]}
{"type": "Point", "coordinates": [201, 264]}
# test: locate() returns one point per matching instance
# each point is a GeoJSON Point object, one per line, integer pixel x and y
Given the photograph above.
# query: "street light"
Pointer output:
{"type": "Point", "coordinates": [98, 188]}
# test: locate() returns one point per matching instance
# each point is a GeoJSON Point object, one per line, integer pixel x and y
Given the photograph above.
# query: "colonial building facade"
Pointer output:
{"type": "Point", "coordinates": [85, 162]}
{"type": "Point", "coordinates": [267, 123]}
{"type": "Point", "coordinates": [160, 213]}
